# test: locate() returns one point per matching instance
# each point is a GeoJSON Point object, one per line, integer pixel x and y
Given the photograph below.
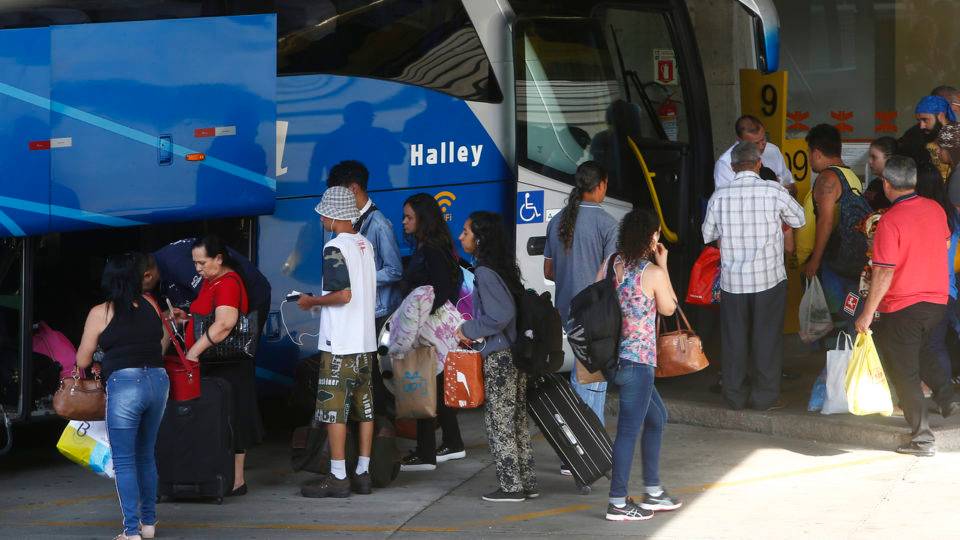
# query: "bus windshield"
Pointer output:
{"type": "Point", "coordinates": [584, 83]}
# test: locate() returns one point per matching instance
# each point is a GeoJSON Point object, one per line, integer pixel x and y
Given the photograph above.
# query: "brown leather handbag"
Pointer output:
{"type": "Point", "coordinates": [80, 399]}
{"type": "Point", "coordinates": [679, 352]}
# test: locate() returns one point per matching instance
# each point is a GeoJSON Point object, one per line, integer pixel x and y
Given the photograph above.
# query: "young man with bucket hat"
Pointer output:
{"type": "Point", "coordinates": [347, 341]}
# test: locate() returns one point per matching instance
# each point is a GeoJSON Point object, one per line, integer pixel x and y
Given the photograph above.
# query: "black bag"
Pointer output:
{"type": "Point", "coordinates": [306, 374]}
{"type": "Point", "coordinates": [539, 345]}
{"type": "Point", "coordinates": [310, 452]}
{"type": "Point", "coordinates": [239, 344]}
{"type": "Point", "coordinates": [846, 252]}
{"type": "Point", "coordinates": [195, 456]}
{"type": "Point", "coordinates": [571, 428]}
{"type": "Point", "coordinates": [595, 324]}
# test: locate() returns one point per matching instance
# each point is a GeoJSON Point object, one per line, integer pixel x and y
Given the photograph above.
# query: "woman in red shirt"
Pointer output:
{"type": "Point", "coordinates": [224, 294]}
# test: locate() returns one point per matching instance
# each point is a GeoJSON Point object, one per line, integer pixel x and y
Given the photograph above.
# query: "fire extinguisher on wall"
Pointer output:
{"type": "Point", "coordinates": [669, 117]}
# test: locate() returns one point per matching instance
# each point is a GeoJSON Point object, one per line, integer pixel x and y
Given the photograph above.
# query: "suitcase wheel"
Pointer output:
{"type": "Point", "coordinates": [219, 500]}
{"type": "Point", "coordinates": [585, 490]}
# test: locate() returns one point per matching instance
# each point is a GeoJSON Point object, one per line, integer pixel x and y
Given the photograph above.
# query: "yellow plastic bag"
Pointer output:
{"type": "Point", "coordinates": [866, 384]}
{"type": "Point", "coordinates": [87, 444]}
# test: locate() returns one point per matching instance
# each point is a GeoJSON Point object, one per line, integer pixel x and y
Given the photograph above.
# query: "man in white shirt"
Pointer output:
{"type": "Point", "coordinates": [347, 341]}
{"type": "Point", "coordinates": [750, 129]}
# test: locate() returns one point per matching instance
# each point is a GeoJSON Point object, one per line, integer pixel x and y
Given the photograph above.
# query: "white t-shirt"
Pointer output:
{"type": "Point", "coordinates": [772, 158]}
{"type": "Point", "coordinates": [349, 328]}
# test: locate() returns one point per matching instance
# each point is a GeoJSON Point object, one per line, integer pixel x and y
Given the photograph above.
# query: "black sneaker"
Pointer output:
{"type": "Point", "coordinates": [361, 484]}
{"type": "Point", "coordinates": [413, 462]}
{"type": "Point", "coordinates": [329, 486]}
{"type": "Point", "coordinates": [445, 453]}
{"type": "Point", "coordinates": [502, 496]}
{"type": "Point", "coordinates": [917, 449]}
{"type": "Point", "coordinates": [661, 502]}
{"type": "Point", "coordinates": [565, 471]}
{"type": "Point", "coordinates": [531, 493]}
{"type": "Point", "coordinates": [630, 512]}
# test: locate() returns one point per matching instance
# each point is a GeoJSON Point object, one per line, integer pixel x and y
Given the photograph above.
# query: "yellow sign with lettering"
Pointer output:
{"type": "Point", "coordinates": [765, 96]}
{"type": "Point", "coordinates": [797, 160]}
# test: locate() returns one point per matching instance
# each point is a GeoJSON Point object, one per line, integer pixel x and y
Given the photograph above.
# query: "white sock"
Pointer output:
{"type": "Point", "coordinates": [619, 502]}
{"type": "Point", "coordinates": [338, 468]}
{"type": "Point", "coordinates": [653, 490]}
{"type": "Point", "coordinates": [363, 464]}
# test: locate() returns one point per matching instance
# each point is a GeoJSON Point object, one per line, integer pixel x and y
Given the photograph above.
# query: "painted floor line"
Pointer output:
{"type": "Point", "coordinates": [787, 474]}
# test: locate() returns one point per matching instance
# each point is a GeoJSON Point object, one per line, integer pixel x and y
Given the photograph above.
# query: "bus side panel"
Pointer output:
{"type": "Point", "coordinates": [291, 256]}
{"type": "Point", "coordinates": [134, 99]}
{"type": "Point", "coordinates": [24, 157]}
{"type": "Point", "coordinates": [405, 135]}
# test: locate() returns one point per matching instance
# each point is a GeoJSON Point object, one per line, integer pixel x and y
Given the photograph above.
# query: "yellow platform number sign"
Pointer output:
{"type": "Point", "coordinates": [765, 96]}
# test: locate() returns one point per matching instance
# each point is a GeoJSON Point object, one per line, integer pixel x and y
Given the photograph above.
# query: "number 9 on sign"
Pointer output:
{"type": "Point", "coordinates": [768, 96]}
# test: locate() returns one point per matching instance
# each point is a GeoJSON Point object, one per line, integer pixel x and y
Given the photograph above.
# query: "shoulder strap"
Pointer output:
{"type": "Point", "coordinates": [362, 220]}
{"type": "Point", "coordinates": [844, 183]}
{"type": "Point", "coordinates": [611, 267]}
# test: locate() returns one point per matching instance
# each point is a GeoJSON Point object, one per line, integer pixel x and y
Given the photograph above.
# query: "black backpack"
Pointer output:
{"type": "Point", "coordinates": [538, 348]}
{"type": "Point", "coordinates": [846, 252]}
{"type": "Point", "coordinates": [595, 320]}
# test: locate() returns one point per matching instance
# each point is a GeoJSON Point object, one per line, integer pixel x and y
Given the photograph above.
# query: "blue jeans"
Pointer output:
{"type": "Point", "coordinates": [136, 398]}
{"type": "Point", "coordinates": [593, 394]}
{"type": "Point", "coordinates": [640, 409]}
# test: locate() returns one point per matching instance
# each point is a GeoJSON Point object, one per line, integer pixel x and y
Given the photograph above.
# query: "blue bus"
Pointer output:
{"type": "Point", "coordinates": [134, 124]}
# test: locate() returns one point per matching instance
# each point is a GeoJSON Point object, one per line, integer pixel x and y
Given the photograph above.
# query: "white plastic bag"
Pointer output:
{"type": "Point", "coordinates": [815, 319]}
{"type": "Point", "coordinates": [837, 361]}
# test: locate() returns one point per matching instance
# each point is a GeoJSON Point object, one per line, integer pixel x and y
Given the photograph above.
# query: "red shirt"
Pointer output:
{"type": "Point", "coordinates": [226, 290]}
{"type": "Point", "coordinates": [912, 238]}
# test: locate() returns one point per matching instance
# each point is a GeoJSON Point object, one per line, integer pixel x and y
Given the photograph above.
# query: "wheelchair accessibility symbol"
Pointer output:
{"type": "Point", "coordinates": [530, 207]}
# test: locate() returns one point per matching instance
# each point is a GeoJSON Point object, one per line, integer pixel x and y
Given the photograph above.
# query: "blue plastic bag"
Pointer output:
{"type": "Point", "coordinates": [818, 394]}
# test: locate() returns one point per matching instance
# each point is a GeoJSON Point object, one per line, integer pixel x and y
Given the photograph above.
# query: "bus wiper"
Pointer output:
{"type": "Point", "coordinates": [623, 66]}
{"type": "Point", "coordinates": [631, 75]}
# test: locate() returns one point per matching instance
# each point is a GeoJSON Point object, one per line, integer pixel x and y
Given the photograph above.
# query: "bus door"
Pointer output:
{"type": "Point", "coordinates": [622, 86]}
{"type": "Point", "coordinates": [130, 123]}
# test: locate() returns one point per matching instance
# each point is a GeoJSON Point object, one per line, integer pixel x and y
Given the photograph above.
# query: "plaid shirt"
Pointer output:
{"type": "Point", "coordinates": [747, 216]}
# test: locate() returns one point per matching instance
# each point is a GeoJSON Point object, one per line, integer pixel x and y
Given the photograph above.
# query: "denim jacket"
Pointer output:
{"type": "Point", "coordinates": [378, 230]}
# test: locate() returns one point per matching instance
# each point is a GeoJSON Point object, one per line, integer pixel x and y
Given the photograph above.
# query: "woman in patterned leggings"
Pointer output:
{"type": "Point", "coordinates": [497, 284]}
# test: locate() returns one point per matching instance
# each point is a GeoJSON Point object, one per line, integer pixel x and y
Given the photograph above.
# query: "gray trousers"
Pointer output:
{"type": "Point", "coordinates": [751, 344]}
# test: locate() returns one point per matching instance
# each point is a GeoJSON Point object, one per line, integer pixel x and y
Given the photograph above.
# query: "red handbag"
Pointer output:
{"type": "Point", "coordinates": [463, 380]}
{"type": "Point", "coordinates": [184, 375]}
{"type": "Point", "coordinates": [703, 276]}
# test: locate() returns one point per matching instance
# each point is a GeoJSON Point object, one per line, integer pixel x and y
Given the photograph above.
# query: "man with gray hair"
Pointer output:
{"type": "Point", "coordinates": [909, 289]}
{"type": "Point", "coordinates": [747, 216]}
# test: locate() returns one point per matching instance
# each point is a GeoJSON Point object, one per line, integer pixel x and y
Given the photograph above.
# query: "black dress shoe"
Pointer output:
{"type": "Point", "coordinates": [242, 490]}
{"type": "Point", "coordinates": [951, 409]}
{"type": "Point", "coordinates": [917, 449]}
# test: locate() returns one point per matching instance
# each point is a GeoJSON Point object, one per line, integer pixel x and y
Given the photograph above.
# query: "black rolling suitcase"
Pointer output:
{"type": "Point", "coordinates": [195, 457]}
{"type": "Point", "coordinates": [571, 428]}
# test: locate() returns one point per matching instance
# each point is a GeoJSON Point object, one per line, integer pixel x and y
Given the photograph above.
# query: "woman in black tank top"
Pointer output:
{"type": "Point", "coordinates": [129, 330]}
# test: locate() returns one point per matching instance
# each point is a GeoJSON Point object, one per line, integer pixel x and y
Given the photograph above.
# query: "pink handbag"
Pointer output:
{"type": "Point", "coordinates": [55, 345]}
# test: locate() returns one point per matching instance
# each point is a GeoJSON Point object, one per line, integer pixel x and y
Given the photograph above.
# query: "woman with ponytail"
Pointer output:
{"type": "Point", "coordinates": [579, 239]}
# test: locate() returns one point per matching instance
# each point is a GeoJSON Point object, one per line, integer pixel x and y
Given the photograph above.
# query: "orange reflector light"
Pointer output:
{"type": "Point", "coordinates": [196, 157]}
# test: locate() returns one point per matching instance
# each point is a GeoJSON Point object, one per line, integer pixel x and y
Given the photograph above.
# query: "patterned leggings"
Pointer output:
{"type": "Point", "coordinates": [505, 413]}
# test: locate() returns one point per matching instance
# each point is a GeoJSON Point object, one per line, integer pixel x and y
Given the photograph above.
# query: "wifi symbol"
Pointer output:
{"type": "Point", "coordinates": [445, 200]}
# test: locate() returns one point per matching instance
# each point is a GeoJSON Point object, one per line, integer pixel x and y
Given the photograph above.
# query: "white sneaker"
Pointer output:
{"type": "Point", "coordinates": [148, 531]}
{"type": "Point", "coordinates": [565, 471]}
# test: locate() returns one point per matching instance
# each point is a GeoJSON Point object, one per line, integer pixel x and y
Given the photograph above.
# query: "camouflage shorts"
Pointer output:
{"type": "Point", "coordinates": [343, 389]}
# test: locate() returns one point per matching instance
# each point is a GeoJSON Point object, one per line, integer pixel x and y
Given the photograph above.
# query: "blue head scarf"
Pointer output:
{"type": "Point", "coordinates": [935, 105]}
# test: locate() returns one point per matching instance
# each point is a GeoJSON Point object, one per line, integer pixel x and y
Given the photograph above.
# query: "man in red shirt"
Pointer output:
{"type": "Point", "coordinates": [909, 289]}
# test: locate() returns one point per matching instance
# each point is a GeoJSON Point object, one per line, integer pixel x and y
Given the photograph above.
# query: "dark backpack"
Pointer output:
{"type": "Point", "coordinates": [539, 345]}
{"type": "Point", "coordinates": [595, 320]}
{"type": "Point", "coordinates": [846, 252]}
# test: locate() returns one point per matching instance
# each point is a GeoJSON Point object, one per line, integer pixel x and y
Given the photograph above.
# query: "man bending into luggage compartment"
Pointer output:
{"type": "Point", "coordinates": [347, 339]}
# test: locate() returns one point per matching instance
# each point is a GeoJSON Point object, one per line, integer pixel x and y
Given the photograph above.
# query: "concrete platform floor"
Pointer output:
{"type": "Point", "coordinates": [736, 485]}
